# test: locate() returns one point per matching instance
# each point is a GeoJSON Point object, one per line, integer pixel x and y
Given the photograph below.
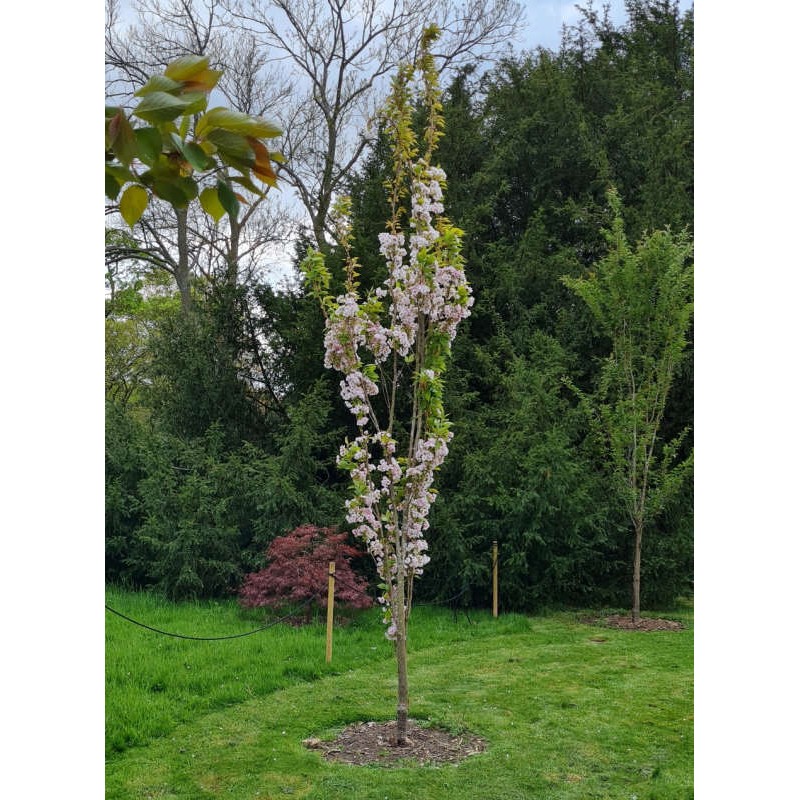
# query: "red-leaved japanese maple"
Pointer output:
{"type": "Point", "coordinates": [298, 571]}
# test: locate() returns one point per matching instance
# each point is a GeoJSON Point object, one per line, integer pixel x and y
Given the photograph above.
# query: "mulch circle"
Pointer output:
{"type": "Point", "coordinates": [375, 743]}
{"type": "Point", "coordinates": [625, 623]}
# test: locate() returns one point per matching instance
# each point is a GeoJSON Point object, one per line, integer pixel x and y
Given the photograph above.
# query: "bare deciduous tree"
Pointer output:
{"type": "Point", "coordinates": [337, 54]}
{"type": "Point", "coordinates": [163, 32]}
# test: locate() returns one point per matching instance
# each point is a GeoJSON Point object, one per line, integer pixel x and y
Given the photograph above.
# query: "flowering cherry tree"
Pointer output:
{"type": "Point", "coordinates": [395, 339]}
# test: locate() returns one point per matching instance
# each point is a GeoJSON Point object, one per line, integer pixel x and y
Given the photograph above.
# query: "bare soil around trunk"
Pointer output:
{"type": "Point", "coordinates": [375, 743]}
{"type": "Point", "coordinates": [625, 622]}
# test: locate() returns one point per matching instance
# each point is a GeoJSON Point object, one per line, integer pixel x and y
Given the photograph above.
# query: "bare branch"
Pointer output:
{"type": "Point", "coordinates": [338, 54]}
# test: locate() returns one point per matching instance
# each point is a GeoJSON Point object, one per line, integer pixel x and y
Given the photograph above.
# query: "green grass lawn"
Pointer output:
{"type": "Point", "coordinates": [564, 715]}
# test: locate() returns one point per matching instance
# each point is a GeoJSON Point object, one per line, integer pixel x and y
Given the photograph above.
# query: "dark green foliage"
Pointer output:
{"type": "Point", "coordinates": [644, 95]}
{"type": "Point", "coordinates": [124, 469]}
{"type": "Point", "coordinates": [213, 463]}
{"type": "Point", "coordinates": [188, 540]}
{"type": "Point", "coordinates": [520, 474]}
{"type": "Point", "coordinates": [292, 327]}
{"type": "Point", "coordinates": [203, 373]}
{"type": "Point", "coordinates": [190, 518]}
{"type": "Point", "coordinates": [301, 481]}
{"type": "Point", "coordinates": [667, 554]}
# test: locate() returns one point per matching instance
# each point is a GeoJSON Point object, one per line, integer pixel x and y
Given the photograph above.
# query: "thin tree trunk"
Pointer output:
{"type": "Point", "coordinates": [637, 567]}
{"type": "Point", "coordinates": [182, 271]}
{"type": "Point", "coordinates": [402, 682]}
{"type": "Point", "coordinates": [318, 227]}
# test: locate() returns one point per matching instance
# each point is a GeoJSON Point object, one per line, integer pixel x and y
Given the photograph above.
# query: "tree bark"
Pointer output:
{"type": "Point", "coordinates": [402, 683]}
{"type": "Point", "coordinates": [637, 567]}
{"type": "Point", "coordinates": [182, 271]}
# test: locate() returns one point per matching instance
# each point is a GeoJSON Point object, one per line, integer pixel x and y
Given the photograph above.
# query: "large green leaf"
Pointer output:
{"type": "Point", "coordinates": [228, 199]}
{"type": "Point", "coordinates": [236, 122]}
{"type": "Point", "coordinates": [233, 147]}
{"type": "Point", "coordinates": [237, 163]}
{"type": "Point", "coordinates": [133, 203]}
{"type": "Point", "coordinates": [203, 81]}
{"type": "Point", "coordinates": [186, 67]}
{"type": "Point", "coordinates": [197, 157]}
{"type": "Point", "coordinates": [159, 83]}
{"type": "Point", "coordinates": [209, 200]}
{"type": "Point", "coordinates": [149, 143]}
{"type": "Point", "coordinates": [160, 107]}
{"type": "Point", "coordinates": [165, 168]}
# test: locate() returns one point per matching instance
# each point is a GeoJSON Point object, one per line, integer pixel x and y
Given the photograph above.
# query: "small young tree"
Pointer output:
{"type": "Point", "coordinates": [642, 300]}
{"type": "Point", "coordinates": [392, 345]}
{"type": "Point", "coordinates": [298, 571]}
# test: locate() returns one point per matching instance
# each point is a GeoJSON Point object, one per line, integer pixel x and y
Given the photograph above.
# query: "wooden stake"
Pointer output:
{"type": "Point", "coordinates": [494, 578]}
{"type": "Point", "coordinates": [329, 637]}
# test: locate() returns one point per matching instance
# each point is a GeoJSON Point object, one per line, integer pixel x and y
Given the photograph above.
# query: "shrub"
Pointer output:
{"type": "Point", "coordinates": [298, 571]}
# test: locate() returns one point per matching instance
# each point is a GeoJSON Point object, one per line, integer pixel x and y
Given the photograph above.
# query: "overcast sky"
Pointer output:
{"type": "Point", "coordinates": [546, 17]}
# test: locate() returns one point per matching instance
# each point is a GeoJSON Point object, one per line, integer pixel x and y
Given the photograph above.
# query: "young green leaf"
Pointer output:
{"type": "Point", "coordinates": [209, 200]}
{"type": "Point", "coordinates": [178, 191]}
{"type": "Point", "coordinates": [243, 180]}
{"type": "Point", "coordinates": [233, 146]}
{"type": "Point", "coordinates": [133, 203]}
{"type": "Point", "coordinates": [158, 83]}
{"type": "Point", "coordinates": [112, 186]}
{"type": "Point", "coordinates": [148, 143]}
{"type": "Point", "coordinates": [122, 174]}
{"type": "Point", "coordinates": [195, 102]}
{"type": "Point", "coordinates": [237, 122]}
{"type": "Point", "coordinates": [160, 107]}
{"type": "Point", "coordinates": [193, 153]}
{"type": "Point", "coordinates": [186, 67]}
{"type": "Point", "coordinates": [204, 81]}
{"type": "Point", "coordinates": [228, 199]}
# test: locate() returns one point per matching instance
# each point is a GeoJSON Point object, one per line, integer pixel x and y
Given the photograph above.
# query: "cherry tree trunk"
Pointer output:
{"type": "Point", "coordinates": [402, 683]}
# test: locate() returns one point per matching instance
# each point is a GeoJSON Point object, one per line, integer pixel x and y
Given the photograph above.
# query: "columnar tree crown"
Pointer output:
{"type": "Point", "coordinates": [402, 329]}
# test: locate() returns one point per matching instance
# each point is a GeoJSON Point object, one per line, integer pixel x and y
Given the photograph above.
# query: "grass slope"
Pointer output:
{"type": "Point", "coordinates": [565, 716]}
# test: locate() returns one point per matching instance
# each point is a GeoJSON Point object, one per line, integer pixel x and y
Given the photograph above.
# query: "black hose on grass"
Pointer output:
{"type": "Point", "coordinates": [209, 638]}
